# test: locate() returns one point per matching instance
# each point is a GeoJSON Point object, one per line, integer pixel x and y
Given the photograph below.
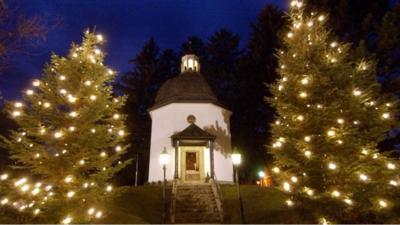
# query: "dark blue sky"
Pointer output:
{"type": "Point", "coordinates": [126, 25]}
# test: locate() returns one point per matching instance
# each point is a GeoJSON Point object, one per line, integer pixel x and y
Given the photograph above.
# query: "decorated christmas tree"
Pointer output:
{"type": "Point", "coordinates": [331, 116]}
{"type": "Point", "coordinates": [69, 141]}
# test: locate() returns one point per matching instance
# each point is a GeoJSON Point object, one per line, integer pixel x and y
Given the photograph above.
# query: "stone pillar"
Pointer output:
{"type": "Point", "coordinates": [211, 144]}
{"type": "Point", "coordinates": [176, 146]}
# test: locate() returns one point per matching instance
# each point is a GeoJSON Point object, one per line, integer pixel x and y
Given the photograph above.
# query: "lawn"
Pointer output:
{"type": "Point", "coordinates": [261, 205]}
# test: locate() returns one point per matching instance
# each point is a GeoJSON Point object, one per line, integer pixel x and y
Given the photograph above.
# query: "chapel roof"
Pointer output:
{"type": "Point", "coordinates": [188, 87]}
{"type": "Point", "coordinates": [193, 132]}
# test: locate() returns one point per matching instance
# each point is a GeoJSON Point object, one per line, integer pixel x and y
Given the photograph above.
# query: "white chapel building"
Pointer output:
{"type": "Point", "coordinates": [193, 126]}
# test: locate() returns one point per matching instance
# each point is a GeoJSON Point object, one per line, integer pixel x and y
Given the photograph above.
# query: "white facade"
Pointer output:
{"type": "Point", "coordinates": [172, 118]}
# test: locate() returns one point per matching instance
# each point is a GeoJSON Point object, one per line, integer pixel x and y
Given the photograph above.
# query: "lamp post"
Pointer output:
{"type": "Point", "coordinates": [261, 175]}
{"type": "Point", "coordinates": [236, 160]}
{"type": "Point", "coordinates": [164, 160]}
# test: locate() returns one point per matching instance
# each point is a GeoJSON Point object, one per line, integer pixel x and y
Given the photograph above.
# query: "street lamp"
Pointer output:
{"type": "Point", "coordinates": [236, 160]}
{"type": "Point", "coordinates": [164, 160]}
{"type": "Point", "coordinates": [261, 175]}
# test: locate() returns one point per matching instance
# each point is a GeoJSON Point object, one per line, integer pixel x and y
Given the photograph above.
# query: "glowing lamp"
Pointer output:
{"type": "Point", "coordinates": [164, 157]}
{"type": "Point", "coordinates": [236, 159]}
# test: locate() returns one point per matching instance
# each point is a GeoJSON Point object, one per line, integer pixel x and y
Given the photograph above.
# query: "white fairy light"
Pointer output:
{"type": "Point", "coordinates": [18, 105]}
{"type": "Point", "coordinates": [62, 77]}
{"type": "Point", "coordinates": [81, 162]}
{"type": "Point", "coordinates": [335, 193]}
{"type": "Point", "coordinates": [29, 92]}
{"type": "Point", "coordinates": [109, 188]}
{"type": "Point", "coordinates": [4, 201]}
{"type": "Point", "coordinates": [91, 211]}
{"type": "Point", "coordinates": [99, 214]}
{"type": "Point", "coordinates": [331, 133]}
{"type": "Point", "coordinates": [310, 23]}
{"type": "Point", "coordinates": [307, 138]}
{"type": "Point", "coordinates": [300, 117]}
{"type": "Point", "coordinates": [71, 98]}
{"type": "Point", "coordinates": [70, 194]}
{"type": "Point", "coordinates": [63, 91]}
{"type": "Point", "coordinates": [332, 166]}
{"type": "Point", "coordinates": [386, 115]}
{"type": "Point", "coordinates": [116, 116]}
{"type": "Point", "coordinates": [99, 37]}
{"type": "Point", "coordinates": [25, 187]}
{"type": "Point", "coordinates": [48, 187]}
{"type": "Point", "coordinates": [36, 83]}
{"type": "Point", "coordinates": [73, 114]}
{"type": "Point", "coordinates": [289, 202]}
{"type": "Point", "coordinates": [20, 181]}
{"type": "Point", "coordinates": [307, 153]}
{"type": "Point", "coordinates": [321, 18]}
{"type": "Point", "coordinates": [110, 72]}
{"type": "Point", "coordinates": [294, 179]}
{"type": "Point", "coordinates": [93, 97]}
{"type": "Point", "coordinates": [363, 177]}
{"type": "Point", "coordinates": [88, 83]}
{"type": "Point", "coordinates": [71, 128]}
{"type": "Point", "coordinates": [393, 183]}
{"type": "Point", "coordinates": [16, 113]}
{"type": "Point", "coordinates": [118, 148]}
{"type": "Point", "coordinates": [97, 51]}
{"type": "Point", "coordinates": [121, 133]}
{"type": "Point", "coordinates": [303, 94]}
{"type": "Point", "coordinates": [382, 203]}
{"type": "Point", "coordinates": [340, 121]}
{"type": "Point", "coordinates": [391, 166]}
{"type": "Point", "coordinates": [305, 81]}
{"type": "Point", "coordinates": [276, 170]}
{"type": "Point", "coordinates": [280, 87]}
{"type": "Point", "coordinates": [35, 191]}
{"type": "Point", "coordinates": [348, 201]}
{"type": "Point", "coordinates": [67, 220]}
{"type": "Point", "coordinates": [356, 92]}
{"type": "Point", "coordinates": [68, 179]}
{"type": "Point", "coordinates": [333, 44]}
{"type": "Point", "coordinates": [103, 154]}
{"type": "Point", "coordinates": [286, 186]}
{"type": "Point", "coordinates": [290, 35]}
{"type": "Point", "coordinates": [93, 130]}
{"type": "Point", "coordinates": [74, 55]}
{"type": "Point", "coordinates": [4, 176]}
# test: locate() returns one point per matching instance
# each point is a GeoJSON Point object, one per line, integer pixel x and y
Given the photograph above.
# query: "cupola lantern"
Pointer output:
{"type": "Point", "coordinates": [190, 63]}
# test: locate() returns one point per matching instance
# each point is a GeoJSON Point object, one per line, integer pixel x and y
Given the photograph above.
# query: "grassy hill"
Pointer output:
{"type": "Point", "coordinates": [261, 205]}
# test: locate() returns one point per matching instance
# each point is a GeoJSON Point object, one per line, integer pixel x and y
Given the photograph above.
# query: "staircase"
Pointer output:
{"type": "Point", "coordinates": [196, 203]}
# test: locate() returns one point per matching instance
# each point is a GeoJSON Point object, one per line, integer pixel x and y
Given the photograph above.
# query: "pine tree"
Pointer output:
{"type": "Point", "coordinates": [69, 141]}
{"type": "Point", "coordinates": [331, 116]}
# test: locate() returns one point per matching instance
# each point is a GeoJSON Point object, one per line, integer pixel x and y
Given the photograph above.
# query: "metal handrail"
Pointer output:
{"type": "Point", "coordinates": [217, 191]}
{"type": "Point", "coordinates": [173, 201]}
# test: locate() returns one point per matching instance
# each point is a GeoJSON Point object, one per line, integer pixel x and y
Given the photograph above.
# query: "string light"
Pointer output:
{"type": "Point", "coordinates": [36, 83]}
{"type": "Point", "coordinates": [348, 201]}
{"type": "Point", "coordinates": [121, 133]}
{"type": "Point", "coordinates": [88, 83]}
{"type": "Point", "coordinates": [386, 115]}
{"type": "Point", "coordinates": [70, 194]}
{"type": "Point", "coordinates": [321, 18]}
{"type": "Point", "coordinates": [290, 35]}
{"type": "Point", "coordinates": [63, 91]}
{"type": "Point", "coordinates": [118, 148]}
{"type": "Point", "coordinates": [72, 99]}
{"type": "Point", "coordinates": [20, 181]}
{"type": "Point", "coordinates": [300, 117]}
{"type": "Point", "coordinates": [103, 154]}
{"type": "Point", "coordinates": [332, 166]}
{"type": "Point", "coordinates": [289, 202]}
{"type": "Point", "coordinates": [90, 211]}
{"type": "Point", "coordinates": [333, 44]}
{"type": "Point", "coordinates": [340, 121]}
{"type": "Point", "coordinates": [305, 81]}
{"type": "Point", "coordinates": [67, 220]}
{"type": "Point", "coordinates": [74, 55]}
{"type": "Point", "coordinates": [356, 92]}
{"type": "Point", "coordinates": [393, 183]}
{"type": "Point", "coordinates": [310, 23]}
{"type": "Point", "coordinates": [303, 94]}
{"type": "Point", "coordinates": [331, 133]}
{"type": "Point", "coordinates": [93, 97]}
{"type": "Point", "coordinates": [46, 104]}
{"type": "Point", "coordinates": [99, 37]}
{"type": "Point", "coordinates": [116, 116]}
{"type": "Point", "coordinates": [4, 201]}
{"type": "Point", "coordinates": [294, 179]}
{"type": "Point", "coordinates": [307, 138]}
{"type": "Point", "coordinates": [383, 203]}
{"type": "Point", "coordinates": [73, 114]}
{"type": "Point", "coordinates": [99, 214]}
{"type": "Point", "coordinates": [68, 179]}
{"type": "Point", "coordinates": [391, 166]}
{"type": "Point", "coordinates": [16, 113]}
{"type": "Point", "coordinates": [71, 128]}
{"type": "Point", "coordinates": [363, 177]}
{"type": "Point", "coordinates": [62, 77]}
{"type": "Point", "coordinates": [29, 92]}
{"type": "Point", "coordinates": [110, 72]}
{"type": "Point", "coordinates": [307, 153]}
{"type": "Point", "coordinates": [335, 193]}
{"type": "Point", "coordinates": [18, 105]}
{"type": "Point", "coordinates": [276, 170]}
{"type": "Point", "coordinates": [93, 130]}
{"type": "Point", "coordinates": [4, 176]}
{"type": "Point", "coordinates": [109, 188]}
{"type": "Point", "coordinates": [286, 186]}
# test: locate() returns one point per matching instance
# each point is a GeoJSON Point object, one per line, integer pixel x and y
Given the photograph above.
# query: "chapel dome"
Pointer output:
{"type": "Point", "coordinates": [188, 87]}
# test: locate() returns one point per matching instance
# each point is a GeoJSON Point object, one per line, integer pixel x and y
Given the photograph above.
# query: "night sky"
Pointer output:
{"type": "Point", "coordinates": [126, 25]}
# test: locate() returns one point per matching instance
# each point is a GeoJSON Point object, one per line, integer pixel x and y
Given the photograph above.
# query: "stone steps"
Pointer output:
{"type": "Point", "coordinates": [196, 204]}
